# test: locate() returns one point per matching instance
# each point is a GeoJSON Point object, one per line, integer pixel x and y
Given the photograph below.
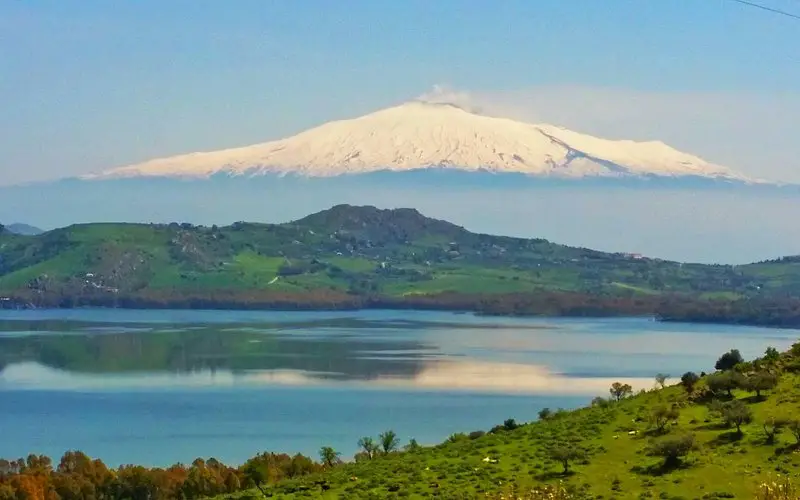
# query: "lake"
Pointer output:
{"type": "Point", "coordinates": [160, 387]}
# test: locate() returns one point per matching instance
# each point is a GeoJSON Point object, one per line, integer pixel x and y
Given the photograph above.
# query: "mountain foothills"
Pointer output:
{"type": "Point", "coordinates": [419, 135]}
{"type": "Point", "coordinates": [733, 433]}
{"type": "Point", "coordinates": [355, 257]}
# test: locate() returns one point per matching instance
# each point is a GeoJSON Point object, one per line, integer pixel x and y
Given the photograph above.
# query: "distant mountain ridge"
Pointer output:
{"type": "Point", "coordinates": [356, 256]}
{"type": "Point", "coordinates": [419, 135]}
{"type": "Point", "coordinates": [24, 229]}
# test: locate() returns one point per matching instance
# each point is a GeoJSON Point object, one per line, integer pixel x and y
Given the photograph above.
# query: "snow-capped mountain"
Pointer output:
{"type": "Point", "coordinates": [419, 134]}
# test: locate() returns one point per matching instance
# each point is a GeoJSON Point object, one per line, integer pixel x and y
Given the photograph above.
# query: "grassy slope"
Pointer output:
{"type": "Point", "coordinates": [616, 465]}
{"type": "Point", "coordinates": [350, 249]}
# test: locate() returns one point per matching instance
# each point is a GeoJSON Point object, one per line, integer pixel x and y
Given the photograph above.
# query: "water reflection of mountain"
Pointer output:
{"type": "Point", "coordinates": [130, 348]}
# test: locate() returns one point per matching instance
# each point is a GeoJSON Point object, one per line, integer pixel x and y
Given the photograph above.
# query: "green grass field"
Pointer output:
{"type": "Point", "coordinates": [611, 461]}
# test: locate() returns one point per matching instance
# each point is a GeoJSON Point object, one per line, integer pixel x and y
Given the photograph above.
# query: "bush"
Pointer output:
{"type": "Point", "coordinates": [545, 413]}
{"type": "Point", "coordinates": [689, 380]}
{"type": "Point", "coordinates": [774, 426]}
{"type": "Point", "coordinates": [672, 448]}
{"type": "Point", "coordinates": [661, 415]}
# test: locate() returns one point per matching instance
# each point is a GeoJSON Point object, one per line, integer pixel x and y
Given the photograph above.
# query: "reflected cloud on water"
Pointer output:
{"type": "Point", "coordinates": [468, 376]}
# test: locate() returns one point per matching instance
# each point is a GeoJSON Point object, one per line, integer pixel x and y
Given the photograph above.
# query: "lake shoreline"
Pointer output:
{"type": "Point", "coordinates": [667, 309]}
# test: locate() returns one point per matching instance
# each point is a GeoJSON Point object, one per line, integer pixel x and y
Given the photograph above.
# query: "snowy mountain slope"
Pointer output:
{"type": "Point", "coordinates": [421, 134]}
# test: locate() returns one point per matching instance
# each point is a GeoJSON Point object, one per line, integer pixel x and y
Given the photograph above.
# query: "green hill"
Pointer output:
{"type": "Point", "coordinates": [357, 257]}
{"type": "Point", "coordinates": [675, 442]}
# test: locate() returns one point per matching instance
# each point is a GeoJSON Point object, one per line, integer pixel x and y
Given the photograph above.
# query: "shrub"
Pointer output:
{"type": "Point", "coordinates": [545, 413]}
{"type": "Point", "coordinates": [774, 426]}
{"type": "Point", "coordinates": [672, 448]}
{"type": "Point", "coordinates": [661, 415]}
{"type": "Point", "coordinates": [689, 381]}
{"type": "Point", "coordinates": [780, 489]}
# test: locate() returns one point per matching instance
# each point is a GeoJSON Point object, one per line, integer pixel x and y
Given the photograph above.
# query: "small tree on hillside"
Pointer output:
{"type": "Point", "coordinates": [725, 382]}
{"type": "Point", "coordinates": [329, 456]}
{"type": "Point", "coordinates": [389, 441]}
{"type": "Point", "coordinates": [771, 356]}
{"type": "Point", "coordinates": [773, 426]}
{"type": "Point", "coordinates": [761, 381]}
{"type": "Point", "coordinates": [661, 380]}
{"type": "Point", "coordinates": [662, 415]}
{"type": "Point", "coordinates": [565, 454]}
{"type": "Point", "coordinates": [794, 427]}
{"type": "Point", "coordinates": [729, 360]}
{"type": "Point", "coordinates": [672, 448]}
{"type": "Point", "coordinates": [737, 413]}
{"type": "Point", "coordinates": [545, 413]}
{"type": "Point", "coordinates": [689, 380]}
{"type": "Point", "coordinates": [367, 444]}
{"type": "Point", "coordinates": [619, 391]}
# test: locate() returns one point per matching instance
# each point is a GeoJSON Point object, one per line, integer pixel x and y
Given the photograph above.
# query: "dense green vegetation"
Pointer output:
{"type": "Point", "coordinates": [734, 433]}
{"type": "Point", "coordinates": [352, 257]}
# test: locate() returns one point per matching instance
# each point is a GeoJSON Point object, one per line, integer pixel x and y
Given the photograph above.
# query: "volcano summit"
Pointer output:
{"type": "Point", "coordinates": [420, 135]}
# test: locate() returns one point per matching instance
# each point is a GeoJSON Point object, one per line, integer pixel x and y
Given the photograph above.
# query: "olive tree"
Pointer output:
{"type": "Point", "coordinates": [729, 360]}
{"type": "Point", "coordinates": [565, 454]}
{"type": "Point", "coordinates": [672, 448]}
{"type": "Point", "coordinates": [619, 391]}
{"type": "Point", "coordinates": [736, 413]}
{"type": "Point", "coordinates": [761, 381]}
{"type": "Point", "coordinates": [661, 415]}
{"type": "Point", "coordinates": [689, 380]}
{"type": "Point", "coordinates": [367, 444]}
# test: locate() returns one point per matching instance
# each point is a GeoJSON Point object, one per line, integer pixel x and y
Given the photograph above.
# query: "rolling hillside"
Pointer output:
{"type": "Point", "coordinates": [344, 257]}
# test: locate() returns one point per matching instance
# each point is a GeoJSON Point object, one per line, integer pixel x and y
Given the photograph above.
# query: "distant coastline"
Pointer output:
{"type": "Point", "coordinates": [674, 309]}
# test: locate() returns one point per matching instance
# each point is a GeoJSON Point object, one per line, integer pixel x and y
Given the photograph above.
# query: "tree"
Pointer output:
{"type": "Point", "coordinates": [619, 391]}
{"type": "Point", "coordinates": [389, 441]}
{"type": "Point", "coordinates": [728, 360]}
{"type": "Point", "coordinates": [736, 413]}
{"type": "Point", "coordinates": [412, 446]}
{"type": "Point", "coordinates": [672, 448]}
{"type": "Point", "coordinates": [329, 456]}
{"type": "Point", "coordinates": [689, 380]}
{"type": "Point", "coordinates": [662, 415]}
{"type": "Point", "coordinates": [545, 413]}
{"type": "Point", "coordinates": [565, 454]}
{"type": "Point", "coordinates": [761, 381]}
{"type": "Point", "coordinates": [368, 445]}
{"type": "Point", "coordinates": [725, 382]}
{"type": "Point", "coordinates": [774, 426]}
{"type": "Point", "coordinates": [771, 355]}
{"type": "Point", "coordinates": [661, 379]}
{"type": "Point", "coordinates": [794, 427]}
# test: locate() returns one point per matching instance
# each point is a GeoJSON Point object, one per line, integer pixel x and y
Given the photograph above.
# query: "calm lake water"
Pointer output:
{"type": "Point", "coordinates": [159, 387]}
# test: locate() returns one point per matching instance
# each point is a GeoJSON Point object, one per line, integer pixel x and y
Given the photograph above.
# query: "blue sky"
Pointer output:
{"type": "Point", "coordinates": [86, 85]}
